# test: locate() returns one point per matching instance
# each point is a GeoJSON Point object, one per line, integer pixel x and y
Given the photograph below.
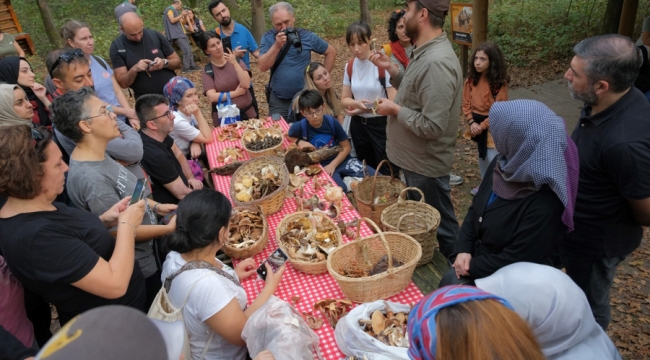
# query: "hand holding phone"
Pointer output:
{"type": "Point", "coordinates": [138, 193]}
{"type": "Point", "coordinates": [277, 259]}
{"type": "Point", "coordinates": [167, 218]}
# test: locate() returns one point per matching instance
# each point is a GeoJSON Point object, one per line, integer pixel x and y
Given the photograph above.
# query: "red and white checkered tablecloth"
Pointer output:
{"type": "Point", "coordinates": [310, 288]}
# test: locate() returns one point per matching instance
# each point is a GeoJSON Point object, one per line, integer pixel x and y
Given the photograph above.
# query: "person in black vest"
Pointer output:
{"type": "Point", "coordinates": [142, 58]}
{"type": "Point", "coordinates": [613, 140]}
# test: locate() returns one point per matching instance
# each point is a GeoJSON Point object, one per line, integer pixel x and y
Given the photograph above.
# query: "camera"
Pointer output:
{"type": "Point", "coordinates": [293, 38]}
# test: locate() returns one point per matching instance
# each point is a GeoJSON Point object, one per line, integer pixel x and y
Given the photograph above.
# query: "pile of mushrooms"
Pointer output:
{"type": "Point", "coordinates": [388, 327]}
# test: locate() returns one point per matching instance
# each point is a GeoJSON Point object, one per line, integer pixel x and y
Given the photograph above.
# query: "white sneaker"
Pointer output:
{"type": "Point", "coordinates": [455, 180]}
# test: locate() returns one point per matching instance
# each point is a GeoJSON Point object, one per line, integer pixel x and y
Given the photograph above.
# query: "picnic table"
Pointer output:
{"type": "Point", "coordinates": [310, 288]}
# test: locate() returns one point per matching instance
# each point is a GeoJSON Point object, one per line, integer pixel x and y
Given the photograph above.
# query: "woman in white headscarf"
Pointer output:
{"type": "Point", "coordinates": [556, 310]}
{"type": "Point", "coordinates": [15, 108]}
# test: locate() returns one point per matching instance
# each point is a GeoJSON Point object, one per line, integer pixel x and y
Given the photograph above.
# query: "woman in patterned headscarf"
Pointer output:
{"type": "Point", "coordinates": [524, 208]}
{"type": "Point", "coordinates": [464, 322]}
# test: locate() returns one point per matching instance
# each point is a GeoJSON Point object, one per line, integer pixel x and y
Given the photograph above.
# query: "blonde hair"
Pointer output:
{"type": "Point", "coordinates": [484, 330]}
{"type": "Point", "coordinates": [332, 103]}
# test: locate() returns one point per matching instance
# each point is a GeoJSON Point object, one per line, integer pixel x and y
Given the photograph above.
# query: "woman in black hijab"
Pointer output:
{"type": "Point", "coordinates": [16, 70]}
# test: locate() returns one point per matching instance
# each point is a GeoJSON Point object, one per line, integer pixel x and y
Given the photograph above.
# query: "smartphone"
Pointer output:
{"type": "Point", "coordinates": [167, 218]}
{"type": "Point", "coordinates": [227, 44]}
{"type": "Point", "coordinates": [370, 105]}
{"type": "Point", "coordinates": [138, 193]}
{"type": "Point", "coordinates": [275, 117]}
{"type": "Point", "coordinates": [277, 258]}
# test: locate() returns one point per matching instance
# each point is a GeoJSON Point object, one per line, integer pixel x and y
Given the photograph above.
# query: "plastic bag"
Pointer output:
{"type": "Point", "coordinates": [279, 328]}
{"type": "Point", "coordinates": [352, 341]}
{"type": "Point", "coordinates": [227, 111]}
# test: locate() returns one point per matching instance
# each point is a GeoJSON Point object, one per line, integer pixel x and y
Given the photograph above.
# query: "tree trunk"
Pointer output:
{"type": "Point", "coordinates": [479, 22]}
{"type": "Point", "coordinates": [612, 16]}
{"type": "Point", "coordinates": [257, 9]}
{"type": "Point", "coordinates": [628, 16]}
{"type": "Point", "coordinates": [365, 12]}
{"type": "Point", "coordinates": [48, 23]}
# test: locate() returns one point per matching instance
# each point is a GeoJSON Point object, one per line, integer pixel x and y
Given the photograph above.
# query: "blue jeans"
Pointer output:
{"type": "Point", "coordinates": [437, 193]}
{"type": "Point", "coordinates": [349, 167]}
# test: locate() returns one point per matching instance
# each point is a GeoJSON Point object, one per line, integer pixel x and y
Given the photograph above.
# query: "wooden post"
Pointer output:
{"type": "Point", "coordinates": [628, 17]}
{"type": "Point", "coordinates": [479, 22]}
{"type": "Point", "coordinates": [463, 59]}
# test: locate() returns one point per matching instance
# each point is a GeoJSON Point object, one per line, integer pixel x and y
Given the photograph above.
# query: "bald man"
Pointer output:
{"type": "Point", "coordinates": [142, 58]}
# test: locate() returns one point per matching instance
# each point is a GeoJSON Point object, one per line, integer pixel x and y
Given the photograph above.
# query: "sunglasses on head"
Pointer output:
{"type": "Point", "coordinates": [67, 56]}
{"type": "Point", "coordinates": [37, 136]}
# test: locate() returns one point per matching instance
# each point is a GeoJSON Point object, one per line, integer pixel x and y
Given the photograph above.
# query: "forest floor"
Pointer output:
{"type": "Point", "coordinates": [630, 295]}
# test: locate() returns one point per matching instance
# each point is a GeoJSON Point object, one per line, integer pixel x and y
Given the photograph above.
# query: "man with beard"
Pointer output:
{"type": "Point", "coordinates": [423, 119]}
{"type": "Point", "coordinates": [241, 39]}
{"type": "Point", "coordinates": [613, 140]}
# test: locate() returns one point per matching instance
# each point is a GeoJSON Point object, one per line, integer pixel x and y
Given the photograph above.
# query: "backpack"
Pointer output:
{"type": "Point", "coordinates": [642, 81]}
{"type": "Point", "coordinates": [382, 74]}
{"type": "Point", "coordinates": [163, 309]}
{"type": "Point", "coordinates": [303, 127]}
{"type": "Point", "coordinates": [101, 62]}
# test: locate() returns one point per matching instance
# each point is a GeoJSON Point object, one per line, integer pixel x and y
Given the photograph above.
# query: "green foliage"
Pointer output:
{"type": "Point", "coordinates": [527, 31]}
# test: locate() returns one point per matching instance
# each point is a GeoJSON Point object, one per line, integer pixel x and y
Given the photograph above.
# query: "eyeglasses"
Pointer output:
{"type": "Point", "coordinates": [315, 113]}
{"type": "Point", "coordinates": [167, 113]}
{"type": "Point", "coordinates": [107, 111]}
{"type": "Point", "coordinates": [67, 57]}
{"type": "Point", "coordinates": [36, 136]}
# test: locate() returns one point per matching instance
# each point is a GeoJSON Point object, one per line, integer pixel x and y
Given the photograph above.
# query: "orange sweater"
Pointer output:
{"type": "Point", "coordinates": [479, 99]}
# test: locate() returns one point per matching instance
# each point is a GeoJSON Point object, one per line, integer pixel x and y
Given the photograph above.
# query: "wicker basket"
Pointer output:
{"type": "Point", "coordinates": [305, 266]}
{"type": "Point", "coordinates": [266, 152]}
{"type": "Point", "coordinates": [416, 219]}
{"type": "Point", "coordinates": [369, 186]}
{"type": "Point", "coordinates": [272, 202]}
{"type": "Point", "coordinates": [259, 245]}
{"type": "Point", "coordinates": [381, 286]}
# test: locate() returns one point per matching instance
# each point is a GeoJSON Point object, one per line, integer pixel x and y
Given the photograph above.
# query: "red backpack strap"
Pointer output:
{"type": "Point", "coordinates": [349, 69]}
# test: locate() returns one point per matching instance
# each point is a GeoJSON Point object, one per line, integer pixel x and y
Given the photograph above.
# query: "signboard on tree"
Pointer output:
{"type": "Point", "coordinates": [461, 23]}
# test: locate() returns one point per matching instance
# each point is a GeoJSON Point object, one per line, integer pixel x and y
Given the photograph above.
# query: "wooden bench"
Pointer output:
{"type": "Point", "coordinates": [9, 24]}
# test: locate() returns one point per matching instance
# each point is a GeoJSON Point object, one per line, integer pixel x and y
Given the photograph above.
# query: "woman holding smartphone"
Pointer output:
{"type": "Point", "coordinates": [215, 312]}
{"type": "Point", "coordinates": [363, 83]}
{"type": "Point", "coordinates": [229, 77]}
{"type": "Point", "coordinates": [96, 181]}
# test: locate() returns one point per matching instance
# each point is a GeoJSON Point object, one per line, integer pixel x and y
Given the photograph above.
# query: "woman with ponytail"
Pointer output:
{"type": "Point", "coordinates": [215, 312]}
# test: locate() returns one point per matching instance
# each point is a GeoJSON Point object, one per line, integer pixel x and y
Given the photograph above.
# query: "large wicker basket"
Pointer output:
{"type": "Point", "coordinates": [272, 202]}
{"type": "Point", "coordinates": [416, 219]}
{"type": "Point", "coordinates": [381, 286]}
{"type": "Point", "coordinates": [259, 245]}
{"type": "Point", "coordinates": [370, 187]}
{"type": "Point", "coordinates": [266, 152]}
{"type": "Point", "coordinates": [301, 265]}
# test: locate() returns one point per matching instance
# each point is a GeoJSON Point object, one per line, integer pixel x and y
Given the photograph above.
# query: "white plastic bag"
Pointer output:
{"type": "Point", "coordinates": [227, 111]}
{"type": "Point", "coordinates": [352, 341]}
{"type": "Point", "coordinates": [279, 328]}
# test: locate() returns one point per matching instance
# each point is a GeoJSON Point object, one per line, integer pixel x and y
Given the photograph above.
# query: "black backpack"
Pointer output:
{"type": "Point", "coordinates": [642, 81]}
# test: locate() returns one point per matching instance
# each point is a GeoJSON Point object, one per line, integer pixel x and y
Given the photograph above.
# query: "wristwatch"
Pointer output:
{"type": "Point", "coordinates": [166, 62]}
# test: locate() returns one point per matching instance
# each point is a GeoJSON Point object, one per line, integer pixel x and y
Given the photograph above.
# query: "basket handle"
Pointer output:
{"type": "Point", "coordinates": [381, 236]}
{"type": "Point", "coordinates": [399, 221]}
{"type": "Point", "coordinates": [403, 193]}
{"type": "Point", "coordinates": [374, 181]}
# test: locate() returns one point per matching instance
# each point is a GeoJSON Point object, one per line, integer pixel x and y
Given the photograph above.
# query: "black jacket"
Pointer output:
{"type": "Point", "coordinates": [510, 231]}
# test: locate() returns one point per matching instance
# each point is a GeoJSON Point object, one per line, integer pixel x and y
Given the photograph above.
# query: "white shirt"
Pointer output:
{"type": "Point", "coordinates": [184, 131]}
{"type": "Point", "coordinates": [209, 296]}
{"type": "Point", "coordinates": [365, 83]}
